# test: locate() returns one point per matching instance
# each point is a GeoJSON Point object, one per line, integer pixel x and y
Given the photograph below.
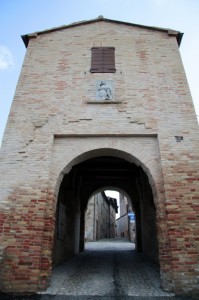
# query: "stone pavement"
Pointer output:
{"type": "Point", "coordinates": [108, 269]}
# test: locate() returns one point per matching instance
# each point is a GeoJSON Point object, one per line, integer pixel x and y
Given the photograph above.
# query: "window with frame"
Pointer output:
{"type": "Point", "coordinates": [103, 60]}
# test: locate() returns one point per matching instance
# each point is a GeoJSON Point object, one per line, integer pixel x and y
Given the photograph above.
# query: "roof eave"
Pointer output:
{"type": "Point", "coordinates": [179, 38]}
{"type": "Point", "coordinates": [27, 37]}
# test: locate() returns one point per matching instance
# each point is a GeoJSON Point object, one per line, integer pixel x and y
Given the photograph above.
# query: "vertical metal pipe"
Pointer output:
{"type": "Point", "coordinates": [94, 238]}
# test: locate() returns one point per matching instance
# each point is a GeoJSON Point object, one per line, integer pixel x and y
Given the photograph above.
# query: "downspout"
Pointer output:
{"type": "Point", "coordinates": [109, 220]}
{"type": "Point", "coordinates": [94, 220]}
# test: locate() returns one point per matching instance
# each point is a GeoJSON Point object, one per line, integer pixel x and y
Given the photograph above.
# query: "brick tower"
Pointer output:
{"type": "Point", "coordinates": [99, 103]}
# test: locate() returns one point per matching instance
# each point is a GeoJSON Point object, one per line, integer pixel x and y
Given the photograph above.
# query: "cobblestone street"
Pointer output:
{"type": "Point", "coordinates": [107, 268]}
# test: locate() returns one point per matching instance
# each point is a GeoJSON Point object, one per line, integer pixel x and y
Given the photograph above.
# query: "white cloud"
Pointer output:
{"type": "Point", "coordinates": [6, 58]}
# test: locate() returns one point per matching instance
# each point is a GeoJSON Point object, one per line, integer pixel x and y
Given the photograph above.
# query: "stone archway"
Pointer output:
{"type": "Point", "coordinates": [77, 187]}
{"type": "Point", "coordinates": [151, 173]}
{"type": "Point", "coordinates": [140, 152]}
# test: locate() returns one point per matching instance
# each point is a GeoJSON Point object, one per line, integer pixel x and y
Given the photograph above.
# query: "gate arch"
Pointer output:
{"type": "Point", "coordinates": [141, 161]}
{"type": "Point", "coordinates": [80, 203]}
{"type": "Point", "coordinates": [132, 152]}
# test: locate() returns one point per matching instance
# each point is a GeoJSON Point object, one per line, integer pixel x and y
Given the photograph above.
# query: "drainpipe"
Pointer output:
{"type": "Point", "coordinates": [109, 220]}
{"type": "Point", "coordinates": [94, 220]}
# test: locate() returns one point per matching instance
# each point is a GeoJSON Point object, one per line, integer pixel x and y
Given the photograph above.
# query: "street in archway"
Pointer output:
{"type": "Point", "coordinates": [108, 267]}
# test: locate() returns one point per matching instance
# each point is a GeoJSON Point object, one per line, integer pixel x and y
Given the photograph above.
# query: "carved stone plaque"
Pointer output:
{"type": "Point", "coordinates": [104, 90]}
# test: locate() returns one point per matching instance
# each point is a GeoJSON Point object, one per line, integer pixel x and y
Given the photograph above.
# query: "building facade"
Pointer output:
{"type": "Point", "coordinates": [99, 104]}
{"type": "Point", "coordinates": [100, 221]}
{"type": "Point", "coordinates": [126, 220]}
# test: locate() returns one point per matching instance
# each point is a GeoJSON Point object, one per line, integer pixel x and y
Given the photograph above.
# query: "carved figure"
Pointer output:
{"type": "Point", "coordinates": [104, 91]}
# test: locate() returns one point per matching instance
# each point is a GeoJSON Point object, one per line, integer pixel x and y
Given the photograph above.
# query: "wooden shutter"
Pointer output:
{"type": "Point", "coordinates": [103, 60]}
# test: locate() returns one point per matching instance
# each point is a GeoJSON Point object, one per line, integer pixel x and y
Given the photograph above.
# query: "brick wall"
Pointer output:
{"type": "Point", "coordinates": [54, 123]}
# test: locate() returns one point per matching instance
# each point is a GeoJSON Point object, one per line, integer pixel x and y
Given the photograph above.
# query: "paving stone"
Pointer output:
{"type": "Point", "coordinates": [108, 268]}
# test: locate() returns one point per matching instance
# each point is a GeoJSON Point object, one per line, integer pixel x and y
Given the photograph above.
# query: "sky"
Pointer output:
{"type": "Point", "coordinates": [114, 194]}
{"type": "Point", "coordinates": [19, 17]}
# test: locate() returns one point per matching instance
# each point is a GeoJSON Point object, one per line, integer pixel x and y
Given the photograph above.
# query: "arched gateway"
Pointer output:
{"type": "Point", "coordinates": [112, 168]}
{"type": "Point", "coordinates": [99, 103]}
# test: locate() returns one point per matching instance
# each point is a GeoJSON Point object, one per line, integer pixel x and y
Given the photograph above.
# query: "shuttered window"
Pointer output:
{"type": "Point", "coordinates": [103, 60]}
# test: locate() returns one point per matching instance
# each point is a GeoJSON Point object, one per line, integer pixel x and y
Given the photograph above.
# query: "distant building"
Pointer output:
{"type": "Point", "coordinates": [100, 217]}
{"type": "Point", "coordinates": [125, 223]}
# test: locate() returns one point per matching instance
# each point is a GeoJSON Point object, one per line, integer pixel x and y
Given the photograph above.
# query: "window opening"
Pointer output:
{"type": "Point", "coordinates": [103, 60]}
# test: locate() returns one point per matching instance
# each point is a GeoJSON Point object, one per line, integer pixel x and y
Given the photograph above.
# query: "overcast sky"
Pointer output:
{"type": "Point", "coordinates": [18, 17]}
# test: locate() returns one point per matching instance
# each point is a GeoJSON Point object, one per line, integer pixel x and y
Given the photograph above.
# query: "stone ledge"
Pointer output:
{"type": "Point", "coordinates": [63, 135]}
{"type": "Point", "coordinates": [103, 102]}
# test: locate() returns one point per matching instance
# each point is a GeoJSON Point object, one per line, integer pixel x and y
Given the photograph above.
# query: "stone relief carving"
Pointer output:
{"type": "Point", "coordinates": [104, 90]}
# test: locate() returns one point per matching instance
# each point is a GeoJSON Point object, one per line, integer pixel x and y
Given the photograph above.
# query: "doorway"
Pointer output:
{"type": "Point", "coordinates": [82, 182]}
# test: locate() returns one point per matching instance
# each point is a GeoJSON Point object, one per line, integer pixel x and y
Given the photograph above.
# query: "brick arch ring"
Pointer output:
{"type": "Point", "coordinates": [63, 164]}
